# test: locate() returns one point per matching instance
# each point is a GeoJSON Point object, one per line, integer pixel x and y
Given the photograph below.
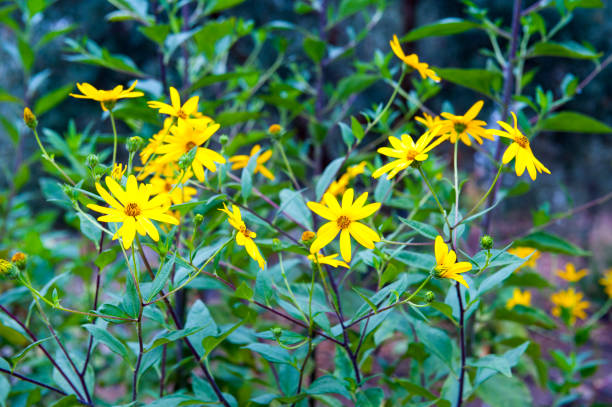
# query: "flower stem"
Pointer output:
{"type": "Point", "coordinates": [51, 159]}
{"type": "Point", "coordinates": [112, 118]}
{"type": "Point", "coordinates": [442, 211]}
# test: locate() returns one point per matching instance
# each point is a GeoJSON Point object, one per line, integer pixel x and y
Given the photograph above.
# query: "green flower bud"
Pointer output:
{"type": "Point", "coordinates": [20, 260]}
{"type": "Point", "coordinates": [92, 160]}
{"type": "Point", "coordinates": [8, 270]}
{"type": "Point", "coordinates": [223, 139]}
{"type": "Point", "coordinates": [134, 144]}
{"type": "Point", "coordinates": [277, 332]}
{"type": "Point", "coordinates": [429, 297]}
{"type": "Point", "coordinates": [197, 220]}
{"type": "Point", "coordinates": [186, 159]}
{"type": "Point", "coordinates": [486, 242]}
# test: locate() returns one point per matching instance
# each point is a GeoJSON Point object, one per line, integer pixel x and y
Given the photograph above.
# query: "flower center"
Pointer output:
{"type": "Point", "coordinates": [181, 114]}
{"type": "Point", "coordinates": [440, 270]}
{"type": "Point", "coordinates": [460, 127]}
{"type": "Point", "coordinates": [168, 187]}
{"type": "Point", "coordinates": [132, 209]}
{"type": "Point", "coordinates": [411, 155]}
{"type": "Point", "coordinates": [246, 232]}
{"type": "Point", "coordinates": [521, 140]}
{"type": "Point", "coordinates": [189, 146]}
{"type": "Point", "coordinates": [343, 222]}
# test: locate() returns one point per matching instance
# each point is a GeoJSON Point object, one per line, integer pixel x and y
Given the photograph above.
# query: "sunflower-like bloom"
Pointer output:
{"type": "Point", "coordinates": [107, 98]}
{"type": "Point", "coordinates": [520, 150]}
{"type": "Point", "coordinates": [461, 127]}
{"type": "Point", "coordinates": [186, 135]}
{"type": "Point", "coordinates": [406, 151]}
{"type": "Point", "coordinates": [329, 260]}
{"type": "Point", "coordinates": [570, 274]}
{"type": "Point", "coordinates": [178, 195]}
{"type": "Point", "coordinates": [430, 122]}
{"type": "Point", "coordinates": [606, 281]}
{"type": "Point", "coordinates": [133, 208]}
{"type": "Point", "coordinates": [412, 60]}
{"type": "Point", "coordinates": [241, 161]}
{"type": "Point", "coordinates": [519, 298]}
{"type": "Point", "coordinates": [184, 111]}
{"type": "Point", "coordinates": [155, 141]}
{"type": "Point", "coordinates": [572, 302]}
{"type": "Point", "coordinates": [244, 237]}
{"type": "Point", "coordinates": [339, 186]}
{"type": "Point", "coordinates": [446, 263]}
{"type": "Point", "coordinates": [524, 252]}
{"type": "Point", "coordinates": [343, 219]}
{"type": "Point", "coordinates": [118, 171]}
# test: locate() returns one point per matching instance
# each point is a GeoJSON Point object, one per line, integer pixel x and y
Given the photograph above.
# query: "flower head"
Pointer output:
{"type": "Point", "coordinates": [461, 127]}
{"type": "Point", "coordinates": [571, 301]}
{"type": "Point", "coordinates": [412, 60]}
{"type": "Point", "coordinates": [406, 152]}
{"type": "Point", "coordinates": [520, 150]}
{"type": "Point", "coordinates": [20, 260]}
{"type": "Point", "coordinates": [519, 298]}
{"type": "Point", "coordinates": [329, 260]}
{"type": "Point", "coordinates": [430, 122]}
{"type": "Point", "coordinates": [241, 161]}
{"type": "Point", "coordinates": [337, 187]}
{"type": "Point", "coordinates": [8, 270]}
{"type": "Point", "coordinates": [133, 208]}
{"type": "Point", "coordinates": [606, 281]}
{"type": "Point", "coordinates": [29, 118]}
{"type": "Point", "coordinates": [118, 171]}
{"type": "Point", "coordinates": [189, 134]}
{"type": "Point", "coordinates": [570, 274]}
{"type": "Point", "coordinates": [524, 252]}
{"type": "Point", "coordinates": [446, 263]}
{"type": "Point", "coordinates": [244, 236]}
{"type": "Point", "coordinates": [168, 185]}
{"type": "Point", "coordinates": [155, 141]}
{"type": "Point", "coordinates": [185, 111]}
{"type": "Point", "coordinates": [107, 98]}
{"type": "Point", "coordinates": [344, 220]}
{"type": "Point", "coordinates": [275, 128]}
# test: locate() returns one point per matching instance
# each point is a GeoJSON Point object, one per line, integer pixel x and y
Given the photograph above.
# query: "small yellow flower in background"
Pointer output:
{"type": "Point", "coordinates": [118, 171]}
{"type": "Point", "coordinates": [524, 252]}
{"type": "Point", "coordinates": [275, 128]}
{"type": "Point", "coordinates": [343, 219]}
{"type": "Point", "coordinates": [107, 98]}
{"type": "Point", "coordinates": [186, 135]}
{"type": "Point", "coordinates": [520, 150]}
{"type": "Point", "coordinates": [606, 281]}
{"type": "Point", "coordinates": [572, 301]}
{"type": "Point", "coordinates": [184, 111]}
{"type": "Point", "coordinates": [406, 151]}
{"type": "Point", "coordinates": [20, 260]}
{"type": "Point", "coordinates": [329, 260]}
{"type": "Point", "coordinates": [307, 236]}
{"type": "Point", "coordinates": [461, 127]}
{"type": "Point", "coordinates": [428, 121]}
{"type": "Point", "coordinates": [241, 161]}
{"type": "Point", "coordinates": [338, 187]}
{"type": "Point", "coordinates": [155, 141]}
{"type": "Point", "coordinates": [133, 208]}
{"type": "Point", "coordinates": [29, 118]}
{"type": "Point", "coordinates": [446, 263]}
{"type": "Point", "coordinates": [412, 60]}
{"type": "Point", "coordinates": [570, 274]}
{"type": "Point", "coordinates": [165, 185]}
{"type": "Point", "coordinates": [244, 237]}
{"type": "Point", "coordinates": [519, 298]}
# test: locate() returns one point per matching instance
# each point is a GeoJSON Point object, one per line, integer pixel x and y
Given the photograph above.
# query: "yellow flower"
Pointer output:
{"type": "Point", "coordinates": [356, 169]}
{"type": "Point", "coordinates": [412, 60]}
{"type": "Point", "coordinates": [186, 135]}
{"type": "Point", "coordinates": [428, 121]}
{"type": "Point", "coordinates": [307, 236]}
{"type": "Point", "coordinates": [519, 298]}
{"type": "Point", "coordinates": [118, 171]}
{"type": "Point", "coordinates": [406, 151]}
{"type": "Point", "coordinates": [572, 301]}
{"type": "Point", "coordinates": [338, 187]}
{"type": "Point", "coordinates": [570, 274]}
{"type": "Point", "coordinates": [155, 141]}
{"type": "Point", "coordinates": [29, 118]}
{"type": "Point", "coordinates": [461, 127]}
{"type": "Point", "coordinates": [275, 128]}
{"type": "Point", "coordinates": [343, 219]}
{"type": "Point", "coordinates": [519, 149]}
{"type": "Point", "coordinates": [244, 237]}
{"type": "Point", "coordinates": [446, 263]}
{"type": "Point", "coordinates": [165, 185]}
{"type": "Point", "coordinates": [182, 112]}
{"type": "Point", "coordinates": [329, 260]}
{"type": "Point", "coordinates": [241, 161]}
{"type": "Point", "coordinates": [523, 252]}
{"type": "Point", "coordinates": [606, 281]}
{"type": "Point", "coordinates": [107, 98]}
{"type": "Point", "coordinates": [133, 208]}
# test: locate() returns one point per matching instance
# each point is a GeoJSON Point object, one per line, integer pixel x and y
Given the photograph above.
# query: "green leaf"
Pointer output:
{"type": "Point", "coordinates": [504, 363]}
{"type": "Point", "coordinates": [113, 311]}
{"type": "Point", "coordinates": [357, 129]}
{"type": "Point", "coordinates": [293, 204]}
{"type": "Point", "coordinates": [574, 122]}
{"type": "Point", "coordinates": [501, 391]}
{"type": "Point", "coordinates": [564, 50]}
{"type": "Point", "coordinates": [231, 118]}
{"type": "Point", "coordinates": [328, 384]}
{"type": "Point", "coordinates": [172, 336]}
{"type": "Point", "coordinates": [480, 80]}
{"type": "Point", "coordinates": [445, 309]}
{"type": "Point", "coordinates": [51, 99]}
{"type": "Point", "coordinates": [329, 174]}
{"type": "Point", "coordinates": [498, 277]}
{"type": "Point", "coordinates": [107, 257]}
{"type": "Point", "coordinates": [441, 28]}
{"type": "Point", "coordinates": [67, 401]}
{"type": "Point", "coordinates": [274, 354]}
{"type": "Point", "coordinates": [354, 84]}
{"type": "Point", "coordinates": [211, 342]}
{"type": "Point", "coordinates": [547, 242]}
{"type": "Point", "coordinates": [17, 358]}
{"type": "Point", "coordinates": [526, 316]}
{"type": "Point", "coordinates": [244, 291]}
{"type": "Point", "coordinates": [528, 279]}
{"type": "Point", "coordinates": [314, 48]}
{"type": "Point", "coordinates": [422, 228]}
{"type": "Point", "coordinates": [102, 335]}
{"type": "Point", "coordinates": [156, 33]}
{"type": "Point", "coordinates": [436, 341]}
{"type": "Point", "coordinates": [199, 317]}
{"type": "Point", "coordinates": [7, 97]}
{"type": "Point", "coordinates": [214, 6]}
{"type": "Point", "coordinates": [350, 7]}
{"type": "Point", "coordinates": [161, 277]}
{"type": "Point", "coordinates": [89, 229]}
{"type": "Point", "coordinates": [366, 299]}
{"type": "Point", "coordinates": [26, 53]}
{"type": "Point", "coordinates": [130, 302]}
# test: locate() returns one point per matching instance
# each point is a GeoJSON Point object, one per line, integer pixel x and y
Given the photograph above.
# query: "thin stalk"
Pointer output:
{"type": "Point", "coordinates": [140, 353]}
{"type": "Point", "coordinates": [112, 118]}
{"type": "Point", "coordinates": [483, 199]}
{"type": "Point", "coordinates": [47, 157]}
{"type": "Point", "coordinates": [286, 162]}
{"type": "Point", "coordinates": [433, 192]}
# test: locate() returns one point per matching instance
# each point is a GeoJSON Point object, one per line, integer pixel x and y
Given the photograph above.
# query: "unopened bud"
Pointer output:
{"type": "Point", "coordinates": [486, 242]}
{"type": "Point", "coordinates": [429, 297]}
{"type": "Point", "coordinates": [197, 220]}
{"type": "Point", "coordinates": [92, 160]}
{"type": "Point", "coordinates": [134, 144]}
{"type": "Point", "coordinates": [277, 332]}
{"type": "Point", "coordinates": [276, 245]}
{"type": "Point", "coordinates": [118, 171]}
{"type": "Point", "coordinates": [223, 139]}
{"type": "Point", "coordinates": [275, 128]}
{"type": "Point", "coordinates": [20, 260]}
{"type": "Point", "coordinates": [29, 118]}
{"type": "Point", "coordinates": [8, 270]}
{"type": "Point", "coordinates": [308, 236]}
{"type": "Point", "coordinates": [186, 159]}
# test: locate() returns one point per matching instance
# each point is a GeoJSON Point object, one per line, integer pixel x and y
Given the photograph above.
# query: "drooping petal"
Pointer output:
{"type": "Point", "coordinates": [345, 245]}
{"type": "Point", "coordinates": [325, 235]}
